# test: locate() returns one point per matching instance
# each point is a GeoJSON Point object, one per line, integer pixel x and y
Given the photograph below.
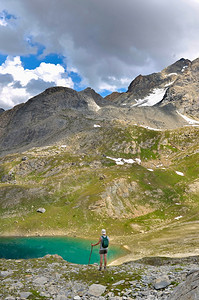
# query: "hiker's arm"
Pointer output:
{"type": "Point", "coordinates": [97, 242]}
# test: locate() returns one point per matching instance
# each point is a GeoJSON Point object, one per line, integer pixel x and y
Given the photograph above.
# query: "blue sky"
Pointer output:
{"type": "Point", "coordinates": [101, 44]}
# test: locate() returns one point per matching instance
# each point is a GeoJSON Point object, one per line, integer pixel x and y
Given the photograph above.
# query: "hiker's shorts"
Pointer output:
{"type": "Point", "coordinates": [103, 251]}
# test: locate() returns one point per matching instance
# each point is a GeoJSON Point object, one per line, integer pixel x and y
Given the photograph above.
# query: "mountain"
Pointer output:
{"type": "Point", "coordinates": [152, 87]}
{"type": "Point", "coordinates": [177, 84]}
{"type": "Point", "coordinates": [128, 162]}
{"type": "Point", "coordinates": [150, 101]}
{"type": "Point", "coordinates": [45, 116]}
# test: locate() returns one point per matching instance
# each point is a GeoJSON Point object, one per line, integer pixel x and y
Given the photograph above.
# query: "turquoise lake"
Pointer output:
{"type": "Point", "coordinates": [71, 249]}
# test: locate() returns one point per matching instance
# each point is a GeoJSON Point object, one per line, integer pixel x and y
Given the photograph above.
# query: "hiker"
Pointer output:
{"type": "Point", "coordinates": [104, 243]}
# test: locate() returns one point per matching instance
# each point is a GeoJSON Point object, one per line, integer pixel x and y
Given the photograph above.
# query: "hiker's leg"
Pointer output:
{"type": "Point", "coordinates": [101, 260]}
{"type": "Point", "coordinates": [105, 259]}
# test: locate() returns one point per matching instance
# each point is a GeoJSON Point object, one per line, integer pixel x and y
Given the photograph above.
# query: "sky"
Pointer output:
{"type": "Point", "coordinates": [101, 44]}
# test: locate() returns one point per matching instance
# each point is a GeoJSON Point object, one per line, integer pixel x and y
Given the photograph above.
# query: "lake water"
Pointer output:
{"type": "Point", "coordinates": [71, 249]}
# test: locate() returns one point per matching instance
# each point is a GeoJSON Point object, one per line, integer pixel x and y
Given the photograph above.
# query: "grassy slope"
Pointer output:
{"type": "Point", "coordinates": [68, 183]}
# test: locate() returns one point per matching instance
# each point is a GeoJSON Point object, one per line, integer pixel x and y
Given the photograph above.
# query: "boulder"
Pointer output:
{"type": "Point", "coordinates": [96, 290]}
{"type": "Point", "coordinates": [188, 289]}
{"type": "Point", "coordinates": [41, 210]}
{"type": "Point", "coordinates": [161, 282]}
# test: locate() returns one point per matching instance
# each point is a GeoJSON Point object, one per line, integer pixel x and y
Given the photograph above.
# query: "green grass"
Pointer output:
{"type": "Point", "coordinates": [68, 194]}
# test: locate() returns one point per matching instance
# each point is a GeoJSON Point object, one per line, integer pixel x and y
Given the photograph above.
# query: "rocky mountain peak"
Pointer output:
{"type": "Point", "coordinates": [89, 92]}
{"type": "Point", "coordinates": [141, 85]}
{"type": "Point", "coordinates": [178, 84]}
{"type": "Point", "coordinates": [178, 67]}
{"type": "Point", "coordinates": [55, 89]}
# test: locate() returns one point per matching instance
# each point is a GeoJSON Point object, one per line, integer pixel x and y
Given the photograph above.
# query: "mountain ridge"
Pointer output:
{"type": "Point", "coordinates": [48, 114]}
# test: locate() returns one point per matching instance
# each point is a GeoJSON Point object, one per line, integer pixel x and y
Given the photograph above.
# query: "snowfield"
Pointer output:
{"type": "Point", "coordinates": [122, 161]}
{"type": "Point", "coordinates": [155, 97]}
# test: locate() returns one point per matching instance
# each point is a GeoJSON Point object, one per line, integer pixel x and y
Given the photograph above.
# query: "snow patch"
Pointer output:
{"type": "Point", "coordinates": [138, 161]}
{"type": "Point", "coordinates": [96, 126]}
{"type": "Point", "coordinates": [168, 84]}
{"type": "Point", "coordinates": [151, 128]}
{"type": "Point", "coordinates": [177, 218]}
{"type": "Point", "coordinates": [151, 170]}
{"type": "Point", "coordinates": [189, 120]}
{"type": "Point", "coordinates": [155, 97]}
{"type": "Point", "coordinates": [63, 146]}
{"type": "Point", "coordinates": [179, 173]}
{"type": "Point", "coordinates": [171, 74]}
{"type": "Point", "coordinates": [184, 68]}
{"type": "Point", "coordinates": [122, 161]}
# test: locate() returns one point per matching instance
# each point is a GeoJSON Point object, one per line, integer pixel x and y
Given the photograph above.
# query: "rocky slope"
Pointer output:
{"type": "Point", "coordinates": [53, 278]}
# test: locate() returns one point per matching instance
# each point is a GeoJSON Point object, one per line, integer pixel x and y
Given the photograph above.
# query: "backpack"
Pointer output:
{"type": "Point", "coordinates": [105, 241]}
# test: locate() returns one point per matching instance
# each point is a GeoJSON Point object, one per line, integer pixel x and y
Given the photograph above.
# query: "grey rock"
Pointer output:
{"type": "Point", "coordinates": [96, 290]}
{"type": "Point", "coordinates": [40, 280]}
{"type": "Point", "coordinates": [17, 285]}
{"type": "Point", "coordinates": [25, 295]}
{"type": "Point", "coordinates": [162, 282]}
{"type": "Point", "coordinates": [61, 297]}
{"type": "Point", "coordinates": [5, 273]}
{"type": "Point", "coordinates": [41, 210]}
{"type": "Point", "coordinates": [119, 282]}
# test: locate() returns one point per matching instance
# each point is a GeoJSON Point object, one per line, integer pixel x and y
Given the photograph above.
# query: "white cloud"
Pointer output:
{"type": "Point", "coordinates": [10, 96]}
{"type": "Point", "coordinates": [106, 41]}
{"type": "Point", "coordinates": [3, 22]}
{"type": "Point", "coordinates": [3, 19]}
{"type": "Point", "coordinates": [26, 83]}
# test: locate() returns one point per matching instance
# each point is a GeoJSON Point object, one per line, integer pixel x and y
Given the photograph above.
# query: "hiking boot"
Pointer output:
{"type": "Point", "coordinates": [104, 268]}
{"type": "Point", "coordinates": [100, 269]}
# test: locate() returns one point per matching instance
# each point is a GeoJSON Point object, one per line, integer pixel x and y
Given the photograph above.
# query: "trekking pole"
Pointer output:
{"type": "Point", "coordinates": [90, 255]}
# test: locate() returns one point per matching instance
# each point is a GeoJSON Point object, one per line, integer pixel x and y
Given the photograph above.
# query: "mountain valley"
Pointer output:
{"type": "Point", "coordinates": [128, 162]}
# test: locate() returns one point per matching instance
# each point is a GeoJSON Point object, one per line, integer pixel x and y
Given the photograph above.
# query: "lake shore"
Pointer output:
{"type": "Point", "coordinates": [180, 241]}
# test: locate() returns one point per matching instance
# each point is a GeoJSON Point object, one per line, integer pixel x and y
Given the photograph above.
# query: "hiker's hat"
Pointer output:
{"type": "Point", "coordinates": [103, 231]}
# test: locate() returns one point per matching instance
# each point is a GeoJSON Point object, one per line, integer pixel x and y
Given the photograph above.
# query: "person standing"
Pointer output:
{"type": "Point", "coordinates": [104, 243]}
